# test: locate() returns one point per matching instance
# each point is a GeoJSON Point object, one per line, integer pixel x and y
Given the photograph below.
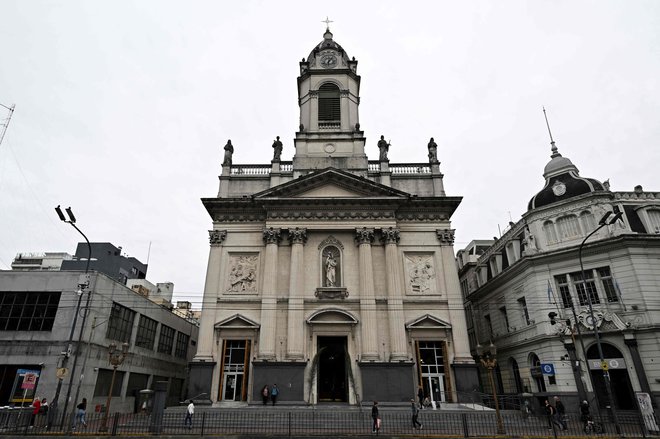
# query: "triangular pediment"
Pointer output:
{"type": "Point", "coordinates": [427, 321]}
{"type": "Point", "coordinates": [331, 183]}
{"type": "Point", "coordinates": [236, 321]}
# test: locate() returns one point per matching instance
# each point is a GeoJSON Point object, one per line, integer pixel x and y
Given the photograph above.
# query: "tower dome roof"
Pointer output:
{"type": "Point", "coordinates": [328, 43]}
{"type": "Point", "coordinates": [562, 181]}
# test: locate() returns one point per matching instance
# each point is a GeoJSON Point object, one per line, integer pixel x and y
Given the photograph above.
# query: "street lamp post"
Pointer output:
{"type": "Point", "coordinates": [116, 359]}
{"type": "Point", "coordinates": [83, 283]}
{"type": "Point", "coordinates": [487, 356]}
{"type": "Point", "coordinates": [604, 221]}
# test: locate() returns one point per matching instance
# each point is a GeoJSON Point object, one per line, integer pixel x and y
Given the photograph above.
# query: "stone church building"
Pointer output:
{"type": "Point", "coordinates": [332, 275]}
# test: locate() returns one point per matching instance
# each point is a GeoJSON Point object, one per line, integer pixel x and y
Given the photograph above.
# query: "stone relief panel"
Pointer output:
{"type": "Point", "coordinates": [420, 273]}
{"type": "Point", "coordinates": [242, 274]}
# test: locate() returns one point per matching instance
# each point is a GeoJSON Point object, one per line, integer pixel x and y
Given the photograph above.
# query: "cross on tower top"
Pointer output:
{"type": "Point", "coordinates": [327, 22]}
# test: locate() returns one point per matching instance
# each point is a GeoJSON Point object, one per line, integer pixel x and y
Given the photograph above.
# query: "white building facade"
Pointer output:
{"type": "Point", "coordinates": [332, 276]}
{"type": "Point", "coordinates": [526, 293]}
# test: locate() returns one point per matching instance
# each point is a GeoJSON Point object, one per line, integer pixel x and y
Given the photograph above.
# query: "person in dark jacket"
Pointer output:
{"type": "Point", "coordinates": [420, 397]}
{"type": "Point", "coordinates": [375, 417]}
{"type": "Point", "coordinates": [561, 413]}
{"type": "Point", "coordinates": [415, 414]}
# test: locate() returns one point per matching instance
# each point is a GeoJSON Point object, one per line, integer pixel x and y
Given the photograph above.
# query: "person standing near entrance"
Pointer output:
{"type": "Point", "coordinates": [273, 393]}
{"type": "Point", "coordinates": [551, 413]}
{"type": "Point", "coordinates": [264, 394]}
{"type": "Point", "coordinates": [36, 406]}
{"type": "Point", "coordinates": [415, 414]}
{"type": "Point", "coordinates": [561, 413]}
{"type": "Point", "coordinates": [420, 397]}
{"type": "Point", "coordinates": [190, 412]}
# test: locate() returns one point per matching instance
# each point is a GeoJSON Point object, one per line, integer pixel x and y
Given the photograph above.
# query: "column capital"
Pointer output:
{"type": "Point", "coordinates": [364, 236]}
{"type": "Point", "coordinates": [446, 236]}
{"type": "Point", "coordinates": [298, 236]}
{"type": "Point", "coordinates": [390, 236]}
{"type": "Point", "coordinates": [272, 236]}
{"type": "Point", "coordinates": [216, 237]}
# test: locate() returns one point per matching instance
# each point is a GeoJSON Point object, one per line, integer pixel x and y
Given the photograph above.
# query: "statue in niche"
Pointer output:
{"type": "Point", "coordinates": [330, 265]}
{"type": "Point", "coordinates": [421, 273]}
{"type": "Point", "coordinates": [229, 150]}
{"type": "Point", "coordinates": [242, 274]}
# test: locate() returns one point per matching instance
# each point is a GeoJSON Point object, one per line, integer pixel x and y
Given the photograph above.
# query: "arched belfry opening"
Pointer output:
{"type": "Point", "coordinates": [329, 105]}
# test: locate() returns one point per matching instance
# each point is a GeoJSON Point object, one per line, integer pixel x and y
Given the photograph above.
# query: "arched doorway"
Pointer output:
{"type": "Point", "coordinates": [536, 372]}
{"type": "Point", "coordinates": [622, 392]}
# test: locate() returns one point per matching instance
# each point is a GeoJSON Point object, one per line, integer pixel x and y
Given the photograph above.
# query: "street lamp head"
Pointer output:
{"type": "Point", "coordinates": [124, 348]}
{"type": "Point", "coordinates": [112, 348]}
{"type": "Point", "coordinates": [69, 212]}
{"type": "Point", "coordinates": [617, 216]}
{"type": "Point", "coordinates": [603, 220]}
{"type": "Point", "coordinates": [480, 349]}
{"type": "Point", "coordinates": [60, 213]}
{"type": "Point", "coordinates": [493, 349]}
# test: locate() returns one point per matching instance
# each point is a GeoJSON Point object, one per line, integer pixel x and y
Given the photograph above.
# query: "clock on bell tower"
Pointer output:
{"type": "Point", "coordinates": [329, 96]}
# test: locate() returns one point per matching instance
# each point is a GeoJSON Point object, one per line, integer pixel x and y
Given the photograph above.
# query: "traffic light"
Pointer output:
{"type": "Point", "coordinates": [552, 315]}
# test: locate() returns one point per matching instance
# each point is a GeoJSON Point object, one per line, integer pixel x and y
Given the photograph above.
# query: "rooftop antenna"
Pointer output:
{"type": "Point", "coordinates": [5, 125]}
{"type": "Point", "coordinates": [555, 152]}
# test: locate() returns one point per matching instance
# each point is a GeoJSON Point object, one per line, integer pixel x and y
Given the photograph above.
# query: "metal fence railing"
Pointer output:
{"type": "Point", "coordinates": [303, 421]}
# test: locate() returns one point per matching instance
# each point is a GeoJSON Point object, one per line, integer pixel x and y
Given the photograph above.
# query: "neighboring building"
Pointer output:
{"type": "Point", "coordinates": [530, 277]}
{"type": "Point", "coordinates": [36, 314]}
{"type": "Point", "coordinates": [107, 259]}
{"type": "Point", "coordinates": [39, 261]}
{"type": "Point", "coordinates": [332, 275]}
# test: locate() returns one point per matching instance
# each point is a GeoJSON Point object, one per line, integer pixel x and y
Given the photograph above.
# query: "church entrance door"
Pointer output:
{"type": "Point", "coordinates": [332, 378]}
{"type": "Point", "coordinates": [234, 369]}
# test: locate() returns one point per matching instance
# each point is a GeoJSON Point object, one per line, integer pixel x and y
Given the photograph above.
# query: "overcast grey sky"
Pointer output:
{"type": "Point", "coordinates": [122, 108]}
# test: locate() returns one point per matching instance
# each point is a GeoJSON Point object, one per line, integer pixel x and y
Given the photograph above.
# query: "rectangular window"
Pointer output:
{"type": "Point", "coordinates": [146, 333]}
{"type": "Point", "coordinates": [583, 290]}
{"type": "Point", "coordinates": [136, 382]}
{"type": "Point", "coordinates": [120, 324]}
{"type": "Point", "coordinates": [564, 290]}
{"type": "Point", "coordinates": [523, 309]}
{"type": "Point", "coordinates": [489, 324]}
{"type": "Point", "coordinates": [34, 311]}
{"type": "Point", "coordinates": [468, 316]}
{"type": "Point", "coordinates": [505, 317]}
{"type": "Point", "coordinates": [166, 340]}
{"type": "Point", "coordinates": [608, 284]}
{"type": "Point", "coordinates": [103, 380]}
{"type": "Point", "coordinates": [181, 349]}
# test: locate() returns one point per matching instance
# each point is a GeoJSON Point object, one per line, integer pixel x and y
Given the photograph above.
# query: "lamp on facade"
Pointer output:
{"type": "Point", "coordinates": [116, 358]}
{"type": "Point", "coordinates": [488, 359]}
{"type": "Point", "coordinates": [83, 284]}
{"type": "Point", "coordinates": [604, 221]}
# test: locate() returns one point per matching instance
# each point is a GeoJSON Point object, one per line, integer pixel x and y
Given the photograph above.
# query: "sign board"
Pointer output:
{"type": "Point", "coordinates": [608, 363]}
{"type": "Point", "coordinates": [548, 369]}
{"type": "Point", "coordinates": [29, 381]}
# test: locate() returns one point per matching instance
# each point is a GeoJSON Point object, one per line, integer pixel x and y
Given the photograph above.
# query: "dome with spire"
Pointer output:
{"type": "Point", "coordinates": [562, 181]}
{"type": "Point", "coordinates": [328, 49]}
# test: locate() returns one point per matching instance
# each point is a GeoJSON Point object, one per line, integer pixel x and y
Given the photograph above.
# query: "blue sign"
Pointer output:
{"type": "Point", "coordinates": [548, 369]}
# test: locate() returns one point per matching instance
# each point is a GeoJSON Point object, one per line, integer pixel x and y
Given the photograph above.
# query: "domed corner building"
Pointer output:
{"type": "Point", "coordinates": [525, 291]}
{"type": "Point", "coordinates": [332, 276]}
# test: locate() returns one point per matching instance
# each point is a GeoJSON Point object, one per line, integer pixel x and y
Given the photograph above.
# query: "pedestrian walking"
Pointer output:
{"type": "Point", "coordinates": [561, 413]}
{"type": "Point", "coordinates": [585, 415]}
{"type": "Point", "coordinates": [190, 412]}
{"type": "Point", "coordinates": [551, 413]}
{"type": "Point", "coordinates": [43, 412]}
{"type": "Point", "coordinates": [273, 393]}
{"type": "Point", "coordinates": [264, 394]}
{"type": "Point", "coordinates": [420, 397]}
{"type": "Point", "coordinates": [415, 414]}
{"type": "Point", "coordinates": [81, 410]}
{"type": "Point", "coordinates": [376, 418]}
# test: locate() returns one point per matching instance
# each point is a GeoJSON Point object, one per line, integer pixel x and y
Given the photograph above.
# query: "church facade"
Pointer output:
{"type": "Point", "coordinates": [332, 275]}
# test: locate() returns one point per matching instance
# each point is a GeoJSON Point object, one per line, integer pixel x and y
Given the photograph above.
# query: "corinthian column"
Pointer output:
{"type": "Point", "coordinates": [390, 237]}
{"type": "Point", "coordinates": [267, 332]}
{"type": "Point", "coordinates": [364, 238]}
{"type": "Point", "coordinates": [294, 345]}
{"type": "Point", "coordinates": [211, 290]}
{"type": "Point", "coordinates": [454, 298]}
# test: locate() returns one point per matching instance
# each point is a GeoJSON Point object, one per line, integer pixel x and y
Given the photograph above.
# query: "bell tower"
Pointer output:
{"type": "Point", "coordinates": [329, 96]}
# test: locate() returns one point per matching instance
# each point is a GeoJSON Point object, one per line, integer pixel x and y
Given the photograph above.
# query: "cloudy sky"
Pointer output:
{"type": "Point", "coordinates": [122, 108]}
